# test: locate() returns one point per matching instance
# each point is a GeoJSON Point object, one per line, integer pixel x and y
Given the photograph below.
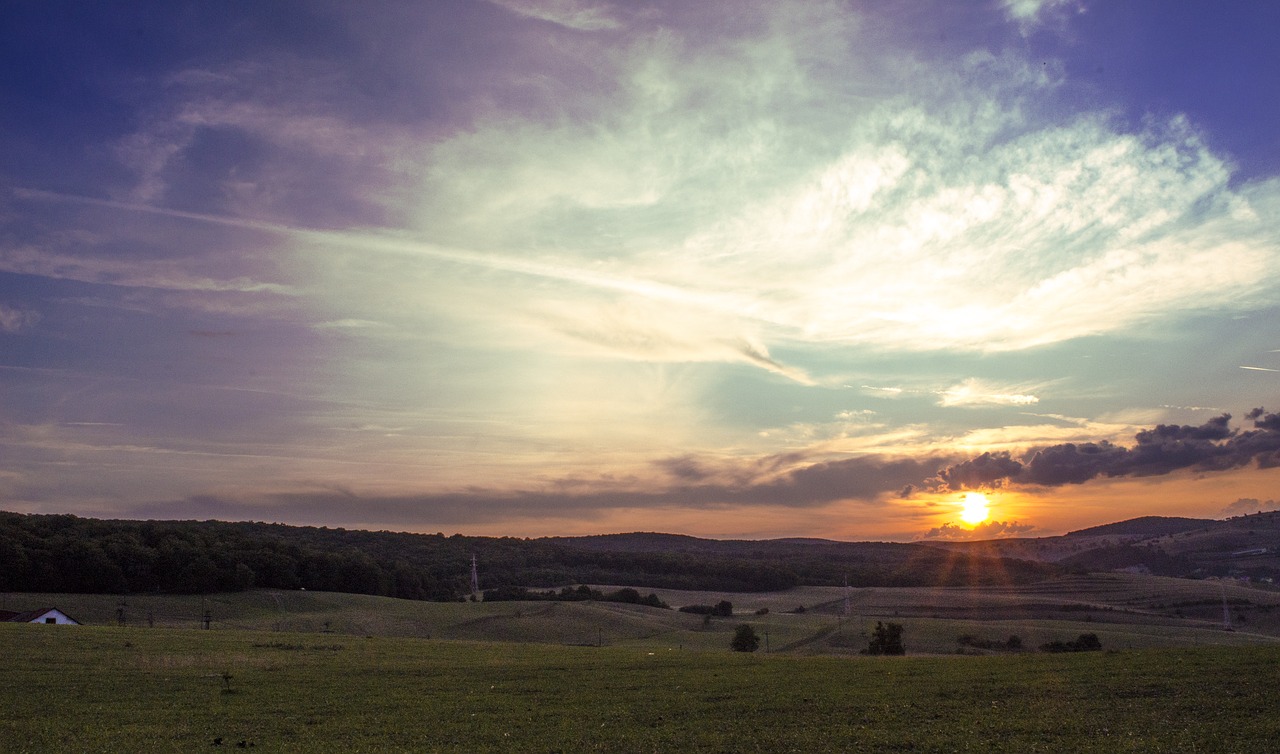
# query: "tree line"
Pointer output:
{"type": "Point", "coordinates": [64, 553]}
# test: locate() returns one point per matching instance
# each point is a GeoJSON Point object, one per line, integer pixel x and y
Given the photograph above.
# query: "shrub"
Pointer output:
{"type": "Point", "coordinates": [886, 640]}
{"type": "Point", "coordinates": [1085, 643]}
{"type": "Point", "coordinates": [722, 609]}
{"type": "Point", "coordinates": [745, 639]}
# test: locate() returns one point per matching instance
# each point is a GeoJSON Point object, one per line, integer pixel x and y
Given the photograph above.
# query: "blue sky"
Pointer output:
{"type": "Point", "coordinates": [730, 269]}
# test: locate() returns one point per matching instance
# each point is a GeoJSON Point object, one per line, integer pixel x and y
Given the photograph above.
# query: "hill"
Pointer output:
{"type": "Point", "coordinates": [1146, 527]}
{"type": "Point", "coordinates": [71, 554]}
{"type": "Point", "coordinates": [1240, 547]}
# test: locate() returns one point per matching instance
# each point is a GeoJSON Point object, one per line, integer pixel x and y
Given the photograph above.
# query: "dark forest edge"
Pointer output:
{"type": "Point", "coordinates": [69, 554]}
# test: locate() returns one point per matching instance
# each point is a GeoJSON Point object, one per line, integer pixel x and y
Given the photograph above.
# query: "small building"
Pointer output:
{"type": "Point", "coordinates": [51, 615]}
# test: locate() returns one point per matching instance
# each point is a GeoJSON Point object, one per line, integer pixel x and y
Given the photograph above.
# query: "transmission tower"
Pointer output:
{"type": "Point", "coordinates": [475, 576]}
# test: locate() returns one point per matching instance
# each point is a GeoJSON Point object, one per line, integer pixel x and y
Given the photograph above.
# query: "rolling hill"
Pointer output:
{"type": "Point", "coordinates": [1240, 547]}
{"type": "Point", "coordinates": [70, 554]}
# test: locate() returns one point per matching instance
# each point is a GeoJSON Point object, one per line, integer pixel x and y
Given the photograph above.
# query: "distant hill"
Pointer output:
{"type": "Point", "coordinates": [1146, 527]}
{"type": "Point", "coordinates": [68, 554]}
{"type": "Point", "coordinates": [1241, 547]}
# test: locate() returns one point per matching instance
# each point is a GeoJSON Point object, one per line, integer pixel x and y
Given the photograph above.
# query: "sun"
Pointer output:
{"type": "Point", "coordinates": [974, 508]}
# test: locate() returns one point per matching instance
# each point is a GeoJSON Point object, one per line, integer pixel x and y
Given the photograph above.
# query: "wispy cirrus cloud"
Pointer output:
{"type": "Point", "coordinates": [974, 392]}
{"type": "Point", "coordinates": [583, 15]}
{"type": "Point", "coordinates": [166, 274]}
{"type": "Point", "coordinates": [499, 258]}
{"type": "Point", "coordinates": [1032, 15]}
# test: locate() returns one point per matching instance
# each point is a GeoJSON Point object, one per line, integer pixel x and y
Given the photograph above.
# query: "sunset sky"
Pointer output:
{"type": "Point", "coordinates": [722, 268]}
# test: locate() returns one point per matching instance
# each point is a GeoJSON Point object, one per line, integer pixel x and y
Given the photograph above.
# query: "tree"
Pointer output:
{"type": "Point", "coordinates": [1086, 643]}
{"type": "Point", "coordinates": [886, 640]}
{"type": "Point", "coordinates": [745, 639]}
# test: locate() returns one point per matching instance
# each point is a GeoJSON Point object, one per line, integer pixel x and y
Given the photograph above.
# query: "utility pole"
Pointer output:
{"type": "Point", "coordinates": [1226, 612]}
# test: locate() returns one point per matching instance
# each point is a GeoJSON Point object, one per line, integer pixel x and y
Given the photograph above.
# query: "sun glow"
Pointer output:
{"type": "Point", "coordinates": [974, 508]}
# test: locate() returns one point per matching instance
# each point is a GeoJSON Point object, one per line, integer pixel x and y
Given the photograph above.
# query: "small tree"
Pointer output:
{"type": "Point", "coordinates": [745, 639]}
{"type": "Point", "coordinates": [886, 640]}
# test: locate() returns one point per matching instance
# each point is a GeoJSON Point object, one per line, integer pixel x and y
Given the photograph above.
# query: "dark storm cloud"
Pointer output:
{"type": "Point", "coordinates": [986, 470]}
{"type": "Point", "coordinates": [1070, 463]}
{"type": "Point", "coordinates": [1212, 446]}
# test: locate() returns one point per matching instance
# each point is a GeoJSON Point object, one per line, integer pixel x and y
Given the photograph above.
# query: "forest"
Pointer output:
{"type": "Point", "coordinates": [65, 553]}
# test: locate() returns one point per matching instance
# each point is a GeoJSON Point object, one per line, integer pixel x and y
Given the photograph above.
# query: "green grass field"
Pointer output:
{"type": "Point", "coordinates": [100, 689]}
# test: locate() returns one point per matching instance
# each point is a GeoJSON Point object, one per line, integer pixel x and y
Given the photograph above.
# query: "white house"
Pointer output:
{"type": "Point", "coordinates": [51, 615]}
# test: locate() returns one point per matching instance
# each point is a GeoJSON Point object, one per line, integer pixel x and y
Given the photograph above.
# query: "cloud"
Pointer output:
{"type": "Point", "coordinates": [581, 15]}
{"type": "Point", "coordinates": [250, 138]}
{"type": "Point", "coordinates": [695, 188]}
{"type": "Point", "coordinates": [544, 244]}
{"type": "Point", "coordinates": [1247, 505]}
{"type": "Point", "coordinates": [702, 485]}
{"type": "Point", "coordinates": [166, 274]}
{"type": "Point", "coordinates": [986, 470]}
{"type": "Point", "coordinates": [959, 224]}
{"type": "Point", "coordinates": [985, 530]}
{"type": "Point", "coordinates": [1212, 446]}
{"type": "Point", "coordinates": [15, 320]}
{"type": "Point", "coordinates": [1031, 15]}
{"type": "Point", "coordinates": [974, 392]}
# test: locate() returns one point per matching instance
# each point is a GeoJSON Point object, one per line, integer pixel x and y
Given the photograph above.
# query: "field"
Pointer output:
{"type": "Point", "coordinates": [307, 671]}
{"type": "Point", "coordinates": [1125, 611]}
{"type": "Point", "coordinates": [153, 689]}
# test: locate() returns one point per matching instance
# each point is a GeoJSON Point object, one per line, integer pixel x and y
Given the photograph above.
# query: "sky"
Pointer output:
{"type": "Point", "coordinates": [732, 269]}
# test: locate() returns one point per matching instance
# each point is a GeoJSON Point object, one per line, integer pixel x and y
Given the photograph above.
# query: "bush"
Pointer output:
{"type": "Point", "coordinates": [968, 640]}
{"type": "Point", "coordinates": [697, 609]}
{"type": "Point", "coordinates": [722, 609]}
{"type": "Point", "coordinates": [745, 639]}
{"type": "Point", "coordinates": [1086, 643]}
{"type": "Point", "coordinates": [886, 640]}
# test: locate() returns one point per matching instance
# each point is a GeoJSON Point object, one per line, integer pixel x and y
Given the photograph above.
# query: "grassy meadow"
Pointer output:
{"type": "Point", "coordinates": [98, 688]}
{"type": "Point", "coordinates": [1125, 611]}
{"type": "Point", "coordinates": [314, 671]}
